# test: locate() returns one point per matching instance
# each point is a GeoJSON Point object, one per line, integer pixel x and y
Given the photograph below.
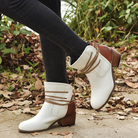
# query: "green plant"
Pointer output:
{"type": "Point", "coordinates": [110, 19]}
{"type": "Point", "coordinates": [9, 31]}
{"type": "Point", "coordinates": [33, 65]}
{"type": "Point", "coordinates": [19, 70]}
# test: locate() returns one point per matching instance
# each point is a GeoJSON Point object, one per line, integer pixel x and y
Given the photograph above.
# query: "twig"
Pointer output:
{"type": "Point", "coordinates": [130, 30]}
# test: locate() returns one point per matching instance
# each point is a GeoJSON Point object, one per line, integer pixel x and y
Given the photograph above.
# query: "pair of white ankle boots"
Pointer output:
{"type": "Point", "coordinates": [59, 106]}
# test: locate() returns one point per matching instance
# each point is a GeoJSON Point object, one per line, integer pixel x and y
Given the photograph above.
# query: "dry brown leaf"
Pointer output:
{"type": "Point", "coordinates": [36, 133]}
{"type": "Point", "coordinates": [26, 110]}
{"type": "Point", "coordinates": [80, 81]}
{"type": "Point", "coordinates": [98, 118]}
{"type": "Point", "coordinates": [93, 114]}
{"type": "Point", "coordinates": [5, 94]}
{"type": "Point", "coordinates": [134, 110]}
{"type": "Point", "coordinates": [38, 84]}
{"type": "Point", "coordinates": [8, 104]}
{"type": "Point", "coordinates": [65, 133]}
{"type": "Point", "coordinates": [27, 87]}
{"type": "Point", "coordinates": [54, 133]}
{"type": "Point", "coordinates": [34, 112]}
{"type": "Point", "coordinates": [120, 106]}
{"type": "Point", "coordinates": [91, 118]}
{"type": "Point", "coordinates": [132, 85]}
{"type": "Point", "coordinates": [82, 113]}
{"type": "Point", "coordinates": [26, 102]}
{"type": "Point", "coordinates": [1, 86]}
{"type": "Point", "coordinates": [135, 118]}
{"type": "Point", "coordinates": [122, 113]}
{"type": "Point", "coordinates": [38, 99]}
{"type": "Point", "coordinates": [62, 134]}
{"type": "Point", "coordinates": [4, 75]}
{"type": "Point", "coordinates": [122, 49]}
{"type": "Point", "coordinates": [14, 76]}
{"type": "Point", "coordinates": [120, 117]}
{"type": "Point", "coordinates": [25, 67]}
{"type": "Point", "coordinates": [26, 93]}
{"type": "Point", "coordinates": [130, 103]}
{"type": "Point", "coordinates": [128, 110]}
{"type": "Point", "coordinates": [13, 108]}
{"type": "Point", "coordinates": [35, 108]}
{"type": "Point", "coordinates": [1, 110]}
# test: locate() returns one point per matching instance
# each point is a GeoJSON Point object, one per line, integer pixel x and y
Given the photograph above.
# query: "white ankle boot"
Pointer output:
{"type": "Point", "coordinates": [57, 107]}
{"type": "Point", "coordinates": [99, 72]}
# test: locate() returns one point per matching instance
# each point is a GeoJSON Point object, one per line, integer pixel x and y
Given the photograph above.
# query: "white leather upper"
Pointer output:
{"type": "Point", "coordinates": [100, 78]}
{"type": "Point", "coordinates": [49, 113]}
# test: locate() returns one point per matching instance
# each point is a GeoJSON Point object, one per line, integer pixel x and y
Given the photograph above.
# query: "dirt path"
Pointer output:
{"type": "Point", "coordinates": [108, 127]}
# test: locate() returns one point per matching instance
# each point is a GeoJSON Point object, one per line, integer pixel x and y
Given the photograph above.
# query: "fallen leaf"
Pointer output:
{"type": "Point", "coordinates": [5, 94]}
{"type": "Point", "coordinates": [65, 133]}
{"type": "Point", "coordinates": [122, 114]}
{"type": "Point", "coordinates": [26, 110]}
{"type": "Point", "coordinates": [135, 118]}
{"type": "Point", "coordinates": [1, 110]}
{"type": "Point", "coordinates": [14, 76]}
{"type": "Point", "coordinates": [26, 102]}
{"type": "Point", "coordinates": [26, 93]}
{"type": "Point", "coordinates": [38, 84]}
{"type": "Point", "coordinates": [27, 87]}
{"type": "Point", "coordinates": [130, 103]}
{"type": "Point", "coordinates": [35, 108]}
{"type": "Point", "coordinates": [1, 86]}
{"type": "Point", "coordinates": [134, 110]}
{"type": "Point", "coordinates": [25, 67]}
{"type": "Point", "coordinates": [93, 114]}
{"type": "Point", "coordinates": [122, 49]}
{"type": "Point", "coordinates": [98, 118]}
{"type": "Point", "coordinates": [54, 133]}
{"type": "Point", "coordinates": [82, 113]}
{"type": "Point", "coordinates": [36, 133]}
{"type": "Point", "coordinates": [130, 84]}
{"type": "Point", "coordinates": [128, 110]}
{"type": "Point", "coordinates": [8, 104]}
{"type": "Point", "coordinates": [120, 117]}
{"type": "Point", "coordinates": [120, 106]}
{"type": "Point", "coordinates": [80, 81]}
{"type": "Point", "coordinates": [91, 118]}
{"type": "Point", "coordinates": [13, 108]}
{"type": "Point", "coordinates": [34, 112]}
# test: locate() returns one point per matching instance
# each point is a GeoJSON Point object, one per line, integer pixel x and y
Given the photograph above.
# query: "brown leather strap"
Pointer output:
{"type": "Point", "coordinates": [88, 67]}
{"type": "Point", "coordinates": [52, 99]}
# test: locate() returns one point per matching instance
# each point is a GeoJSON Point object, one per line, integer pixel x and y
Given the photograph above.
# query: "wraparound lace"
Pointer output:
{"type": "Point", "coordinates": [89, 65]}
{"type": "Point", "coordinates": [56, 99]}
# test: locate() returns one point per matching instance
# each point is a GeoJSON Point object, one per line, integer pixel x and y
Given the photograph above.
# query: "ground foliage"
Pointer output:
{"type": "Point", "coordinates": [22, 73]}
{"type": "Point", "coordinates": [22, 76]}
{"type": "Point", "coordinates": [110, 19]}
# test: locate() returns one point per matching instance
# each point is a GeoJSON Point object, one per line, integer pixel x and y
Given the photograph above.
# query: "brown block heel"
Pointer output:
{"type": "Point", "coordinates": [68, 120]}
{"type": "Point", "coordinates": [116, 58]}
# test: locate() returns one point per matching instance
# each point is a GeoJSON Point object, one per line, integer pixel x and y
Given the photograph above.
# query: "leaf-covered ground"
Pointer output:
{"type": "Point", "coordinates": [22, 76]}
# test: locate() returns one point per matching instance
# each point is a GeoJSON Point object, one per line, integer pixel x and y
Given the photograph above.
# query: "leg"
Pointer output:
{"type": "Point", "coordinates": [53, 56]}
{"type": "Point", "coordinates": [58, 105]}
{"type": "Point", "coordinates": [41, 19]}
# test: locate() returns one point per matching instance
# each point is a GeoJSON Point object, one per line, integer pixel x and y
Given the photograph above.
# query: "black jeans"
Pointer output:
{"type": "Point", "coordinates": [56, 37]}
